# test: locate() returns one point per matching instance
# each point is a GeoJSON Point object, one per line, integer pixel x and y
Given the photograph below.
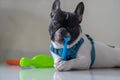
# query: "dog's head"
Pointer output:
{"type": "Point", "coordinates": [65, 24]}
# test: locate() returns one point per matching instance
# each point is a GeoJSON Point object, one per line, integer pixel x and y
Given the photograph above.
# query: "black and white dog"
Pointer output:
{"type": "Point", "coordinates": [84, 52]}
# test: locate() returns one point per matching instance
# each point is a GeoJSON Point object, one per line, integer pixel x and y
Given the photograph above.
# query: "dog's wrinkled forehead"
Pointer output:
{"type": "Point", "coordinates": [62, 15]}
{"type": "Point", "coordinates": [59, 16]}
{"type": "Point", "coordinates": [65, 18]}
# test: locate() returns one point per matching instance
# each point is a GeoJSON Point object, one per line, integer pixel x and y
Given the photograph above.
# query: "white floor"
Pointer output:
{"type": "Point", "coordinates": [16, 73]}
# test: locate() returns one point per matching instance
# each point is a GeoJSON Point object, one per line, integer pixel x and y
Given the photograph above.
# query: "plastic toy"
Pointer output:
{"type": "Point", "coordinates": [67, 39]}
{"type": "Point", "coordinates": [12, 62]}
{"type": "Point", "coordinates": [40, 61]}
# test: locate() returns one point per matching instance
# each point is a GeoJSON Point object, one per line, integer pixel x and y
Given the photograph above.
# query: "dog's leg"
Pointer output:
{"type": "Point", "coordinates": [57, 59]}
{"type": "Point", "coordinates": [78, 63]}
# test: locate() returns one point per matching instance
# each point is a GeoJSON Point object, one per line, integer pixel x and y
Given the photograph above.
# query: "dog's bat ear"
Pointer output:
{"type": "Point", "coordinates": [55, 7]}
{"type": "Point", "coordinates": [79, 11]}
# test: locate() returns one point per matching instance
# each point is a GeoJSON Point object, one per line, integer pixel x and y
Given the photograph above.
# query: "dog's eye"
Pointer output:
{"type": "Point", "coordinates": [56, 24]}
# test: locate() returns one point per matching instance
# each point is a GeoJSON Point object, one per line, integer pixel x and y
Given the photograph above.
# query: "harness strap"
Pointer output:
{"type": "Point", "coordinates": [92, 51]}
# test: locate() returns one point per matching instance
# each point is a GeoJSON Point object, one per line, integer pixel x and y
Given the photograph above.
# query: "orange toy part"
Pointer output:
{"type": "Point", "coordinates": [13, 62]}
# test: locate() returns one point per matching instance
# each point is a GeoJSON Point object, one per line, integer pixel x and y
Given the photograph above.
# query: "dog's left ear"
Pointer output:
{"type": "Point", "coordinates": [79, 11]}
{"type": "Point", "coordinates": [55, 7]}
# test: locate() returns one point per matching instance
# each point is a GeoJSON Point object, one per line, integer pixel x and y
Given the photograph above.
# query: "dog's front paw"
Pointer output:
{"type": "Point", "coordinates": [63, 66]}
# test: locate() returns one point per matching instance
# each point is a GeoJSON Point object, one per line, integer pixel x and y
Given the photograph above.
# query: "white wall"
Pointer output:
{"type": "Point", "coordinates": [24, 24]}
{"type": "Point", "coordinates": [102, 20]}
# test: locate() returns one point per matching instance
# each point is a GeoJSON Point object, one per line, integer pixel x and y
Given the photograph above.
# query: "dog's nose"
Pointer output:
{"type": "Point", "coordinates": [63, 31]}
{"type": "Point", "coordinates": [60, 34]}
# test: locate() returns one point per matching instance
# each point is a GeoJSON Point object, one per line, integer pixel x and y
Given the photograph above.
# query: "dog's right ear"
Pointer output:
{"type": "Point", "coordinates": [55, 7]}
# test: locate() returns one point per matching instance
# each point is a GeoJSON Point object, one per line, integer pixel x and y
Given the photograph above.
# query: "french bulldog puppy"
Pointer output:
{"type": "Point", "coordinates": [84, 52]}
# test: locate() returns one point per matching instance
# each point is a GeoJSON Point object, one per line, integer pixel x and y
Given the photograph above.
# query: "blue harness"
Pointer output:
{"type": "Point", "coordinates": [72, 52]}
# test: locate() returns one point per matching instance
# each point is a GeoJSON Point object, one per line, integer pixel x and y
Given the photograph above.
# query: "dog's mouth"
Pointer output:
{"type": "Point", "coordinates": [60, 35]}
{"type": "Point", "coordinates": [61, 42]}
{"type": "Point", "coordinates": [60, 39]}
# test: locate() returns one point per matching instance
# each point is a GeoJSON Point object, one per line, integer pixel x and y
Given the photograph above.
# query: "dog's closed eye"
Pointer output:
{"type": "Point", "coordinates": [56, 24]}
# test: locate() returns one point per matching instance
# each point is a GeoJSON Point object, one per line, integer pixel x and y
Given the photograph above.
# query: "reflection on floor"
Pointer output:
{"type": "Point", "coordinates": [17, 73]}
{"type": "Point", "coordinates": [37, 74]}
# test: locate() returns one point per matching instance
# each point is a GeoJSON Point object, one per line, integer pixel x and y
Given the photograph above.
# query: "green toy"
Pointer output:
{"type": "Point", "coordinates": [40, 61]}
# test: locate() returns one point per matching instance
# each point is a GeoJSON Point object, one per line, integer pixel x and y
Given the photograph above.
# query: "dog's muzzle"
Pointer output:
{"type": "Point", "coordinates": [60, 34]}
